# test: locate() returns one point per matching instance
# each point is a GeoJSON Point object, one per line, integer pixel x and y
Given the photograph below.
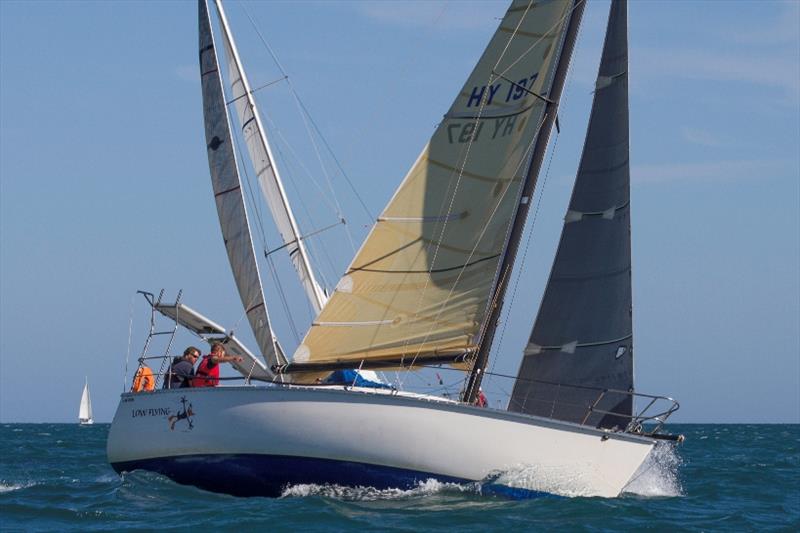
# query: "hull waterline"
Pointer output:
{"type": "Point", "coordinates": [256, 441]}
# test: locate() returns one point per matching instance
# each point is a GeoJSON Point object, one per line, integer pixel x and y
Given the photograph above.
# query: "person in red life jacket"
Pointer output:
{"type": "Point", "coordinates": [207, 374]}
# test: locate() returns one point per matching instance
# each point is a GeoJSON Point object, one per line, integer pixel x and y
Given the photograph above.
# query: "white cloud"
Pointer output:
{"type": "Point", "coordinates": [714, 171]}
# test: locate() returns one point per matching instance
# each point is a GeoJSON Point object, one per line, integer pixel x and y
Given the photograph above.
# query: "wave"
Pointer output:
{"type": "Point", "coordinates": [340, 492]}
{"type": "Point", "coordinates": [528, 481]}
{"type": "Point", "coordinates": [658, 475]}
{"type": "Point", "coordinates": [9, 487]}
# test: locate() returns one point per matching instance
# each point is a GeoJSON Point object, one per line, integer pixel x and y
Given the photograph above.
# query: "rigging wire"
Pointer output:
{"type": "Point", "coordinates": [262, 234]}
{"type": "Point", "coordinates": [128, 354]}
{"type": "Point", "coordinates": [555, 110]}
{"type": "Point", "coordinates": [307, 118]}
{"type": "Point", "coordinates": [322, 194]}
{"type": "Point", "coordinates": [483, 104]}
{"type": "Point", "coordinates": [304, 207]}
{"type": "Point", "coordinates": [561, 105]}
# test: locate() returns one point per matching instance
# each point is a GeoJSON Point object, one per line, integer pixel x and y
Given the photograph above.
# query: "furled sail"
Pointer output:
{"type": "Point", "coordinates": [228, 193]}
{"type": "Point", "coordinates": [258, 147]}
{"type": "Point", "coordinates": [418, 289]}
{"type": "Point", "coordinates": [582, 338]}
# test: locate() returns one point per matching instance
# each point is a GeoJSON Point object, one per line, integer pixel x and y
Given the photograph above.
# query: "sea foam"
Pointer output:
{"type": "Point", "coordinates": [658, 475]}
{"type": "Point", "coordinates": [339, 492]}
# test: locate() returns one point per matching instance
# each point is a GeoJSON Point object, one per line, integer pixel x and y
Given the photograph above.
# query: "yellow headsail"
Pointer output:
{"type": "Point", "coordinates": [419, 288]}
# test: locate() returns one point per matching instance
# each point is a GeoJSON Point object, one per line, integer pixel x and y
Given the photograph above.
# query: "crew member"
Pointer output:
{"type": "Point", "coordinates": [207, 374]}
{"type": "Point", "coordinates": [181, 372]}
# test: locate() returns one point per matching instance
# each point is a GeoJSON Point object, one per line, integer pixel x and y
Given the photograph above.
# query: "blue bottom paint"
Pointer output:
{"type": "Point", "coordinates": [269, 475]}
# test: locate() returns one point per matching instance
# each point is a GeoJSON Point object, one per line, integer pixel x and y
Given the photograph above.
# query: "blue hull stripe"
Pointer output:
{"type": "Point", "coordinates": [269, 475]}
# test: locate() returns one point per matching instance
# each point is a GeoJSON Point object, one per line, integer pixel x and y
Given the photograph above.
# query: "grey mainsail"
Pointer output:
{"type": "Point", "coordinates": [582, 338]}
{"type": "Point", "coordinates": [228, 193]}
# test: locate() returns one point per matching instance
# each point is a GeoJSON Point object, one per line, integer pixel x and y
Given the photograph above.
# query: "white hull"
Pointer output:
{"type": "Point", "coordinates": [257, 440]}
{"type": "Point", "coordinates": [88, 422]}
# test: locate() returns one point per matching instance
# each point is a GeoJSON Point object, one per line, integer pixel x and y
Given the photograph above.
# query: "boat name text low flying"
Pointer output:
{"type": "Point", "coordinates": [155, 411]}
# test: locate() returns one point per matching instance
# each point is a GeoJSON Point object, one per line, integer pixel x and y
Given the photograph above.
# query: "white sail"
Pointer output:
{"type": "Point", "coordinates": [228, 194]}
{"type": "Point", "coordinates": [85, 410]}
{"type": "Point", "coordinates": [264, 164]}
{"type": "Point", "coordinates": [419, 288]}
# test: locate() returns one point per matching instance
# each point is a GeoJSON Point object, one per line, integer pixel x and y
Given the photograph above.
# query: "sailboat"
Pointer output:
{"type": "Point", "coordinates": [425, 290]}
{"type": "Point", "coordinates": [85, 417]}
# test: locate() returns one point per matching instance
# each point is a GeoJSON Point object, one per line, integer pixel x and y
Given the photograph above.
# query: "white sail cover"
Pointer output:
{"type": "Point", "coordinates": [420, 284]}
{"type": "Point", "coordinates": [260, 153]}
{"type": "Point", "coordinates": [228, 193]}
{"type": "Point", "coordinates": [85, 410]}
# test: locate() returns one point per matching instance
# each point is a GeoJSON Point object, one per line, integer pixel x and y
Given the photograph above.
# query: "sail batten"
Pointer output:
{"type": "Point", "coordinates": [230, 200]}
{"type": "Point", "coordinates": [425, 274]}
{"type": "Point", "coordinates": [582, 339]}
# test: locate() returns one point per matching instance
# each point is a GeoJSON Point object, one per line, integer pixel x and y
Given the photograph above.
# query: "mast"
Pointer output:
{"type": "Point", "coordinates": [228, 196]}
{"type": "Point", "coordinates": [264, 164]}
{"type": "Point", "coordinates": [515, 235]}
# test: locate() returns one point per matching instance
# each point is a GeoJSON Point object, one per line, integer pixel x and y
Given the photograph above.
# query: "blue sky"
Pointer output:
{"type": "Point", "coordinates": [104, 184]}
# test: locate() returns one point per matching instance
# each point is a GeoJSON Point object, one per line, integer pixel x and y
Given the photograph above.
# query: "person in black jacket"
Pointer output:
{"type": "Point", "coordinates": [181, 372]}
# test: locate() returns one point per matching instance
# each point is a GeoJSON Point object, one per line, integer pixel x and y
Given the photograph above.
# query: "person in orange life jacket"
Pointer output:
{"type": "Point", "coordinates": [207, 374]}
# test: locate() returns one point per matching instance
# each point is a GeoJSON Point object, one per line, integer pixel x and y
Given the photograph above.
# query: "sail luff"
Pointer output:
{"type": "Point", "coordinates": [229, 199]}
{"type": "Point", "coordinates": [515, 235]}
{"type": "Point", "coordinates": [582, 339]}
{"type": "Point", "coordinates": [260, 152]}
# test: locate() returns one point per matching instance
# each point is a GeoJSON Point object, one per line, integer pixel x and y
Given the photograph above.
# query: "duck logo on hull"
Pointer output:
{"type": "Point", "coordinates": [185, 413]}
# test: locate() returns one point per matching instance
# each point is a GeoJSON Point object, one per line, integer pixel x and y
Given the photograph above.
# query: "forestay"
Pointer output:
{"type": "Point", "coordinates": [582, 337]}
{"type": "Point", "coordinates": [228, 193]}
{"type": "Point", "coordinates": [260, 153]}
{"type": "Point", "coordinates": [418, 289]}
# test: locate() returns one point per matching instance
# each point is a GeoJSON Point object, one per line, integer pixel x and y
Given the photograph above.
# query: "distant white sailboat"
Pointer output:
{"type": "Point", "coordinates": [85, 411]}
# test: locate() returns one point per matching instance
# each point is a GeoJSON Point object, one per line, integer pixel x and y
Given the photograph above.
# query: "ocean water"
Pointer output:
{"type": "Point", "coordinates": [724, 477]}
